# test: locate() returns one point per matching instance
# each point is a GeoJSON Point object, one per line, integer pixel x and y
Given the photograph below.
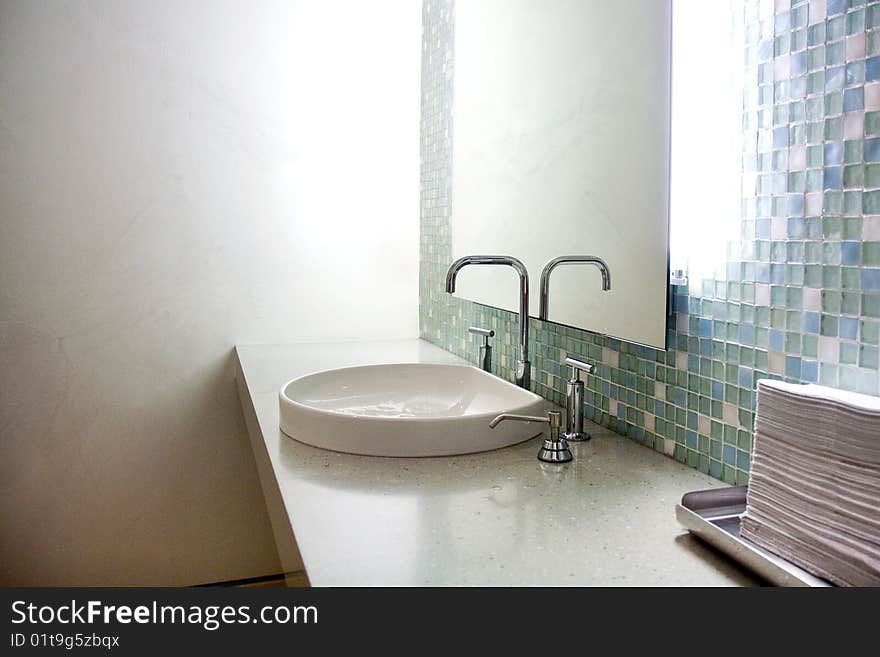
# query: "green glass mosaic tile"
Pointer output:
{"type": "Point", "coordinates": [834, 53]}
{"type": "Point", "coordinates": [850, 278]}
{"type": "Point", "coordinates": [871, 202]}
{"type": "Point", "coordinates": [869, 332]}
{"type": "Point", "coordinates": [872, 175]}
{"type": "Point", "coordinates": [872, 46]}
{"type": "Point", "coordinates": [816, 58]}
{"type": "Point", "coordinates": [849, 303]}
{"type": "Point", "coordinates": [871, 305]}
{"type": "Point", "coordinates": [853, 150]}
{"type": "Point", "coordinates": [853, 175]}
{"type": "Point", "coordinates": [833, 202]}
{"type": "Point", "coordinates": [836, 29]}
{"type": "Point", "coordinates": [848, 353]}
{"type": "Point", "coordinates": [853, 202]}
{"type": "Point", "coordinates": [872, 124]}
{"type": "Point", "coordinates": [871, 254]}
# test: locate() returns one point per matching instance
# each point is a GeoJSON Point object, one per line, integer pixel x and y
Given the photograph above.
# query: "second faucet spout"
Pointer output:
{"type": "Point", "coordinates": [522, 376]}
{"type": "Point", "coordinates": [561, 260]}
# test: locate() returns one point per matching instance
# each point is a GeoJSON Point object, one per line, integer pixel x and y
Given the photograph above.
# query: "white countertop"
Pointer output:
{"type": "Point", "coordinates": [496, 518]}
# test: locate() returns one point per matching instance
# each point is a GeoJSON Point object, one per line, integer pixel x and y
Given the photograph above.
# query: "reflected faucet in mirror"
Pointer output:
{"type": "Point", "coordinates": [569, 259]}
{"type": "Point", "coordinates": [522, 377]}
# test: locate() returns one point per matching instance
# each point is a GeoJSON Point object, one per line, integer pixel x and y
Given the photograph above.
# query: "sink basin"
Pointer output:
{"type": "Point", "coordinates": [410, 409]}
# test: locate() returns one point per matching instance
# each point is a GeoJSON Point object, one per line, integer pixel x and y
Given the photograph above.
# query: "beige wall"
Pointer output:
{"type": "Point", "coordinates": [175, 178]}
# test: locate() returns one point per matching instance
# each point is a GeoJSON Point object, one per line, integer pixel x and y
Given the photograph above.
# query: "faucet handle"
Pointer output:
{"type": "Point", "coordinates": [486, 333]}
{"type": "Point", "coordinates": [485, 349]}
{"type": "Point", "coordinates": [577, 366]}
{"type": "Point", "coordinates": [574, 400]}
{"type": "Point", "coordinates": [554, 449]}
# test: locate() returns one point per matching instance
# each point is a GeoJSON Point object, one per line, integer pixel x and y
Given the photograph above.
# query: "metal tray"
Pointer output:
{"type": "Point", "coordinates": [714, 515]}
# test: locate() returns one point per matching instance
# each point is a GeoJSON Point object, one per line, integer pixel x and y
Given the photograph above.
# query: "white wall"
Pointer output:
{"type": "Point", "coordinates": [177, 177]}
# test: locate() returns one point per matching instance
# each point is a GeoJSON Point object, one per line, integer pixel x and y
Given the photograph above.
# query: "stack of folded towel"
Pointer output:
{"type": "Point", "coordinates": [814, 490]}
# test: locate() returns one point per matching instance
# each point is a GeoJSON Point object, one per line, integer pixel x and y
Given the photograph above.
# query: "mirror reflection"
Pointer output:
{"type": "Point", "coordinates": [561, 160]}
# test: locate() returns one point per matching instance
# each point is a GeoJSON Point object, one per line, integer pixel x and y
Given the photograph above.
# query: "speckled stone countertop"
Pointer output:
{"type": "Point", "coordinates": [496, 518]}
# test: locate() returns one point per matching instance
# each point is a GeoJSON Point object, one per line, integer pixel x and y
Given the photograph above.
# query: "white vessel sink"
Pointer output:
{"type": "Point", "coordinates": [411, 409]}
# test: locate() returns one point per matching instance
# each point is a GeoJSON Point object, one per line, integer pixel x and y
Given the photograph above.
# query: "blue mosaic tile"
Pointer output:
{"type": "Point", "coordinates": [833, 7]}
{"type": "Point", "coordinates": [811, 322]}
{"type": "Point", "coordinates": [872, 69]}
{"type": "Point", "coordinates": [833, 152]}
{"type": "Point", "coordinates": [729, 454]}
{"type": "Point", "coordinates": [835, 78]}
{"type": "Point", "coordinates": [853, 99]}
{"type": "Point", "coordinates": [851, 253]}
{"type": "Point", "coordinates": [780, 137]}
{"type": "Point", "coordinates": [855, 74]}
{"type": "Point", "coordinates": [871, 279]}
{"type": "Point", "coordinates": [809, 371]}
{"type": "Point", "coordinates": [872, 150]}
{"type": "Point", "coordinates": [848, 327]}
{"type": "Point", "coordinates": [832, 178]}
{"type": "Point", "coordinates": [782, 24]}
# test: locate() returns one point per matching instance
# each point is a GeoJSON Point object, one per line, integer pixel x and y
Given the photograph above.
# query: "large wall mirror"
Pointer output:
{"type": "Point", "coordinates": [561, 147]}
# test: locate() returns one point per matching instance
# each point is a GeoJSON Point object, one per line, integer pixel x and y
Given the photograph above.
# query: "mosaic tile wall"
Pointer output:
{"type": "Point", "coordinates": [799, 298]}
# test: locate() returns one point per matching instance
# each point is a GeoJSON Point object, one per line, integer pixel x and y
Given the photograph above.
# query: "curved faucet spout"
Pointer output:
{"type": "Point", "coordinates": [523, 368]}
{"type": "Point", "coordinates": [570, 259]}
{"type": "Point", "coordinates": [510, 261]}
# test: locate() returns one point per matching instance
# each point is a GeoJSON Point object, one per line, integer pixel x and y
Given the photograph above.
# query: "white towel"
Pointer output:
{"type": "Point", "coordinates": [814, 489]}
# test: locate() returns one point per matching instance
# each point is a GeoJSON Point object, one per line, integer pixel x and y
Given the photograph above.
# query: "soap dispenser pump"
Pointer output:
{"type": "Point", "coordinates": [554, 449]}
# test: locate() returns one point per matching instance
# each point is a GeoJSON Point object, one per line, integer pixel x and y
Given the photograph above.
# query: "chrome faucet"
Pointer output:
{"type": "Point", "coordinates": [573, 259]}
{"type": "Point", "coordinates": [523, 368]}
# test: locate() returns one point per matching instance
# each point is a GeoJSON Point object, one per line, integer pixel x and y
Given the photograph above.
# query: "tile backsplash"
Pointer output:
{"type": "Point", "coordinates": [799, 298]}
